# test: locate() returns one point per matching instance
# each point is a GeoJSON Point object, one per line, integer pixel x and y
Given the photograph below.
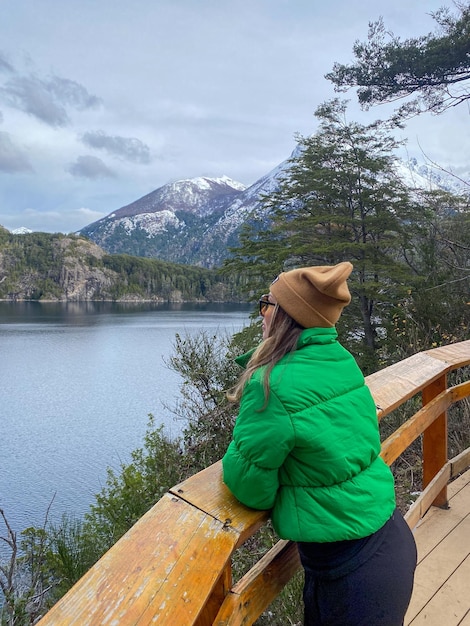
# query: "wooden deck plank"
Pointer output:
{"type": "Point", "coordinates": [437, 523]}
{"type": "Point", "coordinates": [450, 604]}
{"type": "Point", "coordinates": [442, 590]}
{"type": "Point", "coordinates": [459, 484]}
{"type": "Point", "coordinates": [437, 568]}
{"type": "Point", "coordinates": [445, 567]}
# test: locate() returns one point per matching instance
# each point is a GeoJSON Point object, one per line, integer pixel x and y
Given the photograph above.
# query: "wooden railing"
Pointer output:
{"type": "Point", "coordinates": [173, 567]}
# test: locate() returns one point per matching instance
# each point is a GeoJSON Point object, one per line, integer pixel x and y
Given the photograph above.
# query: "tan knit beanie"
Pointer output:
{"type": "Point", "coordinates": [314, 296]}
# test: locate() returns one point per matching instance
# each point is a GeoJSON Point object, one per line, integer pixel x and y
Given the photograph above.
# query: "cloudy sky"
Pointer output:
{"type": "Point", "coordinates": [101, 102]}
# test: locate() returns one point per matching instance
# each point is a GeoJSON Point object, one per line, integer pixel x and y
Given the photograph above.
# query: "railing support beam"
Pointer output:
{"type": "Point", "coordinates": [435, 441]}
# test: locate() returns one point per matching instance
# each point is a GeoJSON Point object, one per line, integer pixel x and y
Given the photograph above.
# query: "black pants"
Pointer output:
{"type": "Point", "coordinates": [366, 582]}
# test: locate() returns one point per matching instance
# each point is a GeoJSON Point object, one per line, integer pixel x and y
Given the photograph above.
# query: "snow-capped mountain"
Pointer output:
{"type": "Point", "coordinates": [201, 196]}
{"type": "Point", "coordinates": [423, 176]}
{"type": "Point", "coordinates": [22, 230]}
{"type": "Point", "coordinates": [196, 221]}
{"type": "Point", "coordinates": [191, 221]}
{"type": "Point", "coordinates": [171, 223]}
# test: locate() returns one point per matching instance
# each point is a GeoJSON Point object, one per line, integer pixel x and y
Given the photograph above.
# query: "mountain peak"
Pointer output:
{"type": "Point", "coordinates": [201, 196]}
{"type": "Point", "coordinates": [22, 230]}
{"type": "Point", "coordinates": [206, 183]}
{"type": "Point", "coordinates": [196, 221]}
{"type": "Point", "coordinates": [171, 222]}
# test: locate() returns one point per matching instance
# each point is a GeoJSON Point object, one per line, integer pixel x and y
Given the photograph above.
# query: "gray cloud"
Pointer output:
{"type": "Point", "coordinates": [47, 100]}
{"type": "Point", "coordinates": [4, 64]}
{"type": "Point", "coordinates": [88, 166]}
{"type": "Point", "coordinates": [72, 93]}
{"type": "Point", "coordinates": [12, 158]}
{"type": "Point", "coordinates": [127, 148]}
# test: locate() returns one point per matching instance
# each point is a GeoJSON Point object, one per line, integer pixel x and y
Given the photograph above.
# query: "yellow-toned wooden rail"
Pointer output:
{"type": "Point", "coordinates": [173, 567]}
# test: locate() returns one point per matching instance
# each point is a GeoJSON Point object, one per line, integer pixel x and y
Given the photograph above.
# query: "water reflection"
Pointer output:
{"type": "Point", "coordinates": [78, 381]}
{"type": "Point", "coordinates": [89, 313]}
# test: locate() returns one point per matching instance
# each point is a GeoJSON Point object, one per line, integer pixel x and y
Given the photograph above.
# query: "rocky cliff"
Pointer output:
{"type": "Point", "coordinates": [40, 266]}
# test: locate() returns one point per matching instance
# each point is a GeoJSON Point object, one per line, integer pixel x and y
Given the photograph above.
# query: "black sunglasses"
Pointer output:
{"type": "Point", "coordinates": [264, 303]}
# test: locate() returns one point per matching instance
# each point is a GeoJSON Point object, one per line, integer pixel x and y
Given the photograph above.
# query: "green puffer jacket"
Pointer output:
{"type": "Point", "coordinates": [311, 453]}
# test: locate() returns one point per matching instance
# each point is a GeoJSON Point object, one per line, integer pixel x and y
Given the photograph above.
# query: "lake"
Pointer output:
{"type": "Point", "coordinates": [78, 381]}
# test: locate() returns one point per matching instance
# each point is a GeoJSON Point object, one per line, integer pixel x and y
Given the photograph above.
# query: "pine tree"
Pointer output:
{"type": "Point", "coordinates": [342, 200]}
{"type": "Point", "coordinates": [435, 68]}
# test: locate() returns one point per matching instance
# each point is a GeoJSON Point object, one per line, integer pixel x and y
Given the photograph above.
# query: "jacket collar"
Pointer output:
{"type": "Point", "coordinates": [319, 336]}
{"type": "Point", "coordinates": [309, 336]}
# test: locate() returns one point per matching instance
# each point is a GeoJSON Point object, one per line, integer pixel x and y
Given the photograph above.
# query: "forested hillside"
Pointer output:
{"type": "Point", "coordinates": [41, 266]}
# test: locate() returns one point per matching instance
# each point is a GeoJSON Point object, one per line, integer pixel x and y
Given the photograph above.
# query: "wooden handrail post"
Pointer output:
{"type": "Point", "coordinates": [216, 599]}
{"type": "Point", "coordinates": [435, 441]}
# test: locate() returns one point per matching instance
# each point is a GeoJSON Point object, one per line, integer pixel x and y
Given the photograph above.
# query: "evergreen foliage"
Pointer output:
{"type": "Point", "coordinates": [37, 266]}
{"type": "Point", "coordinates": [437, 310]}
{"type": "Point", "coordinates": [342, 200]}
{"type": "Point", "coordinates": [433, 67]}
{"type": "Point", "coordinates": [145, 277]}
{"type": "Point", "coordinates": [25, 576]}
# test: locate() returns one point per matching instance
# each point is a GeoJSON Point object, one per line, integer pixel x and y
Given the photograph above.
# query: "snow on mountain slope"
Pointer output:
{"type": "Point", "coordinates": [172, 223]}
{"type": "Point", "coordinates": [249, 202]}
{"type": "Point", "coordinates": [198, 195]}
{"type": "Point", "coordinates": [22, 230]}
{"type": "Point", "coordinates": [195, 221]}
{"type": "Point", "coordinates": [425, 176]}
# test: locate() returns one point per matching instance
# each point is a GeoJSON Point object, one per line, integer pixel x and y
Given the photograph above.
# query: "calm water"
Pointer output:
{"type": "Point", "coordinates": [77, 382]}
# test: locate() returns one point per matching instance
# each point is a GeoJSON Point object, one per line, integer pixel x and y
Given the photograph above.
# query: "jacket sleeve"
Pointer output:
{"type": "Point", "coordinates": [262, 439]}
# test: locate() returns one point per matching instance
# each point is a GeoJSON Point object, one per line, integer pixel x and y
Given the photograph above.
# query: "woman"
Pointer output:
{"type": "Point", "coordinates": [306, 445]}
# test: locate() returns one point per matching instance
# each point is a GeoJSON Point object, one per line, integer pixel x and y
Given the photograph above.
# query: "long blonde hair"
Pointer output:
{"type": "Point", "coordinates": [284, 333]}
